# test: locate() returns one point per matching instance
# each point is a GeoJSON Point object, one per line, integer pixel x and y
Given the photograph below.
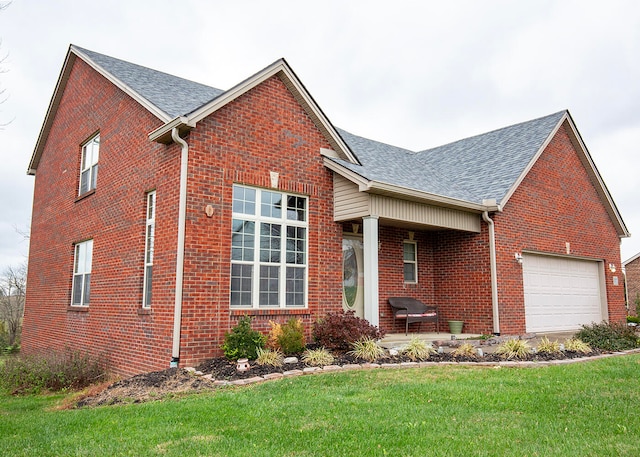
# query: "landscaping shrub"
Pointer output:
{"type": "Point", "coordinates": [367, 349]}
{"type": "Point", "coordinates": [417, 349]}
{"type": "Point", "coordinates": [577, 345]}
{"type": "Point", "coordinates": [317, 357]}
{"type": "Point", "coordinates": [338, 331]}
{"type": "Point", "coordinates": [633, 319]}
{"type": "Point", "coordinates": [465, 350]}
{"type": "Point", "coordinates": [242, 341]}
{"type": "Point", "coordinates": [545, 346]}
{"type": "Point", "coordinates": [514, 349]}
{"type": "Point", "coordinates": [269, 357]}
{"type": "Point", "coordinates": [291, 339]}
{"type": "Point", "coordinates": [609, 336]}
{"type": "Point", "coordinates": [274, 334]}
{"type": "Point", "coordinates": [53, 371]}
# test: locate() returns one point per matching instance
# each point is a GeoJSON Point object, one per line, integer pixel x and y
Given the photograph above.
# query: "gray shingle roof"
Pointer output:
{"type": "Point", "coordinates": [473, 169]}
{"type": "Point", "coordinates": [172, 95]}
{"type": "Point", "coordinates": [481, 167]}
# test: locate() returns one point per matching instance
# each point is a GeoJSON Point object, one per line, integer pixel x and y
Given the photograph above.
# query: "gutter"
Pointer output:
{"type": "Point", "coordinates": [494, 273]}
{"type": "Point", "coordinates": [182, 216]}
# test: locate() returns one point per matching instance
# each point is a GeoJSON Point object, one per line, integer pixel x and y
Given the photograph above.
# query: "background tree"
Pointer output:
{"type": "Point", "coordinates": [13, 285]}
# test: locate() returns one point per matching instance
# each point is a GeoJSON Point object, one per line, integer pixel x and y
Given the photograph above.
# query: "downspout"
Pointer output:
{"type": "Point", "coordinates": [494, 272]}
{"type": "Point", "coordinates": [182, 216]}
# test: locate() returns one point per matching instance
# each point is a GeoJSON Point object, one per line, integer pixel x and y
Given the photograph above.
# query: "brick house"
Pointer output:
{"type": "Point", "coordinates": [165, 209]}
{"type": "Point", "coordinates": [632, 282]}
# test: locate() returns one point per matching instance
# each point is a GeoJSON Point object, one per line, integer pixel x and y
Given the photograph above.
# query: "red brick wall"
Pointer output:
{"type": "Point", "coordinates": [555, 204]}
{"type": "Point", "coordinates": [633, 284]}
{"type": "Point", "coordinates": [264, 130]}
{"type": "Point", "coordinates": [113, 326]}
{"type": "Point", "coordinates": [391, 279]}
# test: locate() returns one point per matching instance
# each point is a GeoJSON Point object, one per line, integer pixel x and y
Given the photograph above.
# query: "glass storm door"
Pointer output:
{"type": "Point", "coordinates": [352, 275]}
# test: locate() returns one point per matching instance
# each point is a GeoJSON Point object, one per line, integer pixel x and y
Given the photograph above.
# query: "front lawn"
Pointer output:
{"type": "Point", "coordinates": [582, 409]}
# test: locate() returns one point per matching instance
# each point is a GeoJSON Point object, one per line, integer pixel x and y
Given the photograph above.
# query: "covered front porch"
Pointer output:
{"type": "Point", "coordinates": [395, 246]}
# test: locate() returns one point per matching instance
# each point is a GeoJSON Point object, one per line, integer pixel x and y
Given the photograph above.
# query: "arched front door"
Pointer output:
{"type": "Point", "coordinates": [352, 275]}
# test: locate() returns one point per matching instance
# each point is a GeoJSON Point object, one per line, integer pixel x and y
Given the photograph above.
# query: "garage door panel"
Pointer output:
{"type": "Point", "coordinates": [560, 293]}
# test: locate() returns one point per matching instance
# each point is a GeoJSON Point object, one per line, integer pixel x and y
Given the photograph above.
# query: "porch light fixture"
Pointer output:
{"type": "Point", "coordinates": [518, 257]}
{"type": "Point", "coordinates": [612, 268]}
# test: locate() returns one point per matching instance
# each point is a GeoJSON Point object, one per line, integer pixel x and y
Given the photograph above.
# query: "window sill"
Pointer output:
{"type": "Point", "coordinates": [85, 195]}
{"type": "Point", "coordinates": [269, 311]}
{"type": "Point", "coordinates": [145, 311]}
{"type": "Point", "coordinates": [77, 309]}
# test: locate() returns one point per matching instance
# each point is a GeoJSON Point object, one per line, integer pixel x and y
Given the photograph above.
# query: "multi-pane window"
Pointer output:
{"type": "Point", "coordinates": [410, 258]}
{"type": "Point", "coordinates": [268, 249]}
{"type": "Point", "coordinates": [82, 274]}
{"type": "Point", "coordinates": [148, 250]}
{"type": "Point", "coordinates": [89, 165]}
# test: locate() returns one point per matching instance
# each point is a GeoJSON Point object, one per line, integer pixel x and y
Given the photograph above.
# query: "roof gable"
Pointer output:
{"type": "Point", "coordinates": [171, 95]}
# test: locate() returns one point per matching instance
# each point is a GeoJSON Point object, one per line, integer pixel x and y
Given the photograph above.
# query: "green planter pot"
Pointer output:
{"type": "Point", "coordinates": [455, 327]}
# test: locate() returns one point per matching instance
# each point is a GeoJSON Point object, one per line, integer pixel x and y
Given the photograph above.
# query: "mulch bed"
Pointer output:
{"type": "Point", "coordinates": [174, 381]}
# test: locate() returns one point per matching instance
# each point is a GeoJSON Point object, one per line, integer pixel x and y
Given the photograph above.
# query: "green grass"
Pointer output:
{"type": "Point", "coordinates": [584, 409]}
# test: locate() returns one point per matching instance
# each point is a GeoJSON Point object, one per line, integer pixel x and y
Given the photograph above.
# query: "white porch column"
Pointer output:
{"type": "Point", "coordinates": [370, 254]}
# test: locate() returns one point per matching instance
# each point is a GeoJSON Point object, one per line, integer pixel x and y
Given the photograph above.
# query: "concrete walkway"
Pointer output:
{"type": "Point", "coordinates": [397, 340]}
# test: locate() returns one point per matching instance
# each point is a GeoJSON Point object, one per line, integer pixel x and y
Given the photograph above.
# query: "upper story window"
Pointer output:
{"type": "Point", "coordinates": [268, 249]}
{"type": "Point", "coordinates": [410, 259]}
{"type": "Point", "coordinates": [149, 246]}
{"type": "Point", "coordinates": [82, 273]}
{"type": "Point", "coordinates": [89, 165]}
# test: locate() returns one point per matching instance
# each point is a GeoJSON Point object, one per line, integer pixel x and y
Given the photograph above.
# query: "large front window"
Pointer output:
{"type": "Point", "coordinates": [268, 249]}
{"type": "Point", "coordinates": [82, 274]}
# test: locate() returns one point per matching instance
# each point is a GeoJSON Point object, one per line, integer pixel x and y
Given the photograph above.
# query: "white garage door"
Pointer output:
{"type": "Point", "coordinates": [559, 293]}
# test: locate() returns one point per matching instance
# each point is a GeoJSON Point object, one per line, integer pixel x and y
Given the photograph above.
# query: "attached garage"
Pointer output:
{"type": "Point", "coordinates": [561, 293]}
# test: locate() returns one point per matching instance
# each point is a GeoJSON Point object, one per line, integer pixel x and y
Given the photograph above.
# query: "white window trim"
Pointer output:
{"type": "Point", "coordinates": [80, 271]}
{"type": "Point", "coordinates": [148, 262]}
{"type": "Point", "coordinates": [87, 147]}
{"type": "Point", "coordinates": [413, 262]}
{"type": "Point", "coordinates": [257, 218]}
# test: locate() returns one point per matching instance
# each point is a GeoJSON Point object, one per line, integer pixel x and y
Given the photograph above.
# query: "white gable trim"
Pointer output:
{"type": "Point", "coordinates": [589, 165]}
{"type": "Point", "coordinates": [405, 193]}
{"type": "Point", "coordinates": [281, 69]}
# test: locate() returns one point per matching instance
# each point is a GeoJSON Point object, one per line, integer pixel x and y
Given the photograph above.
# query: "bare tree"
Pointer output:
{"type": "Point", "coordinates": [13, 286]}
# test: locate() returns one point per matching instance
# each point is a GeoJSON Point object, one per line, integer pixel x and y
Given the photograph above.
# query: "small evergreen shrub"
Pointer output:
{"type": "Point", "coordinates": [417, 349]}
{"type": "Point", "coordinates": [317, 357]}
{"type": "Point", "coordinates": [633, 319]}
{"type": "Point", "coordinates": [577, 345]}
{"type": "Point", "coordinates": [242, 341]}
{"type": "Point", "coordinates": [269, 357]}
{"type": "Point", "coordinates": [367, 349]}
{"type": "Point", "coordinates": [545, 346]}
{"type": "Point", "coordinates": [291, 339]}
{"type": "Point", "coordinates": [609, 336]}
{"type": "Point", "coordinates": [338, 331]}
{"type": "Point", "coordinates": [274, 334]}
{"type": "Point", "coordinates": [52, 371]}
{"type": "Point", "coordinates": [465, 350]}
{"type": "Point", "coordinates": [514, 349]}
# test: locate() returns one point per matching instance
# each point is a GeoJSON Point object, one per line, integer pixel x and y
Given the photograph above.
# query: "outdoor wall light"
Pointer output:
{"type": "Point", "coordinates": [612, 267]}
{"type": "Point", "coordinates": [518, 257]}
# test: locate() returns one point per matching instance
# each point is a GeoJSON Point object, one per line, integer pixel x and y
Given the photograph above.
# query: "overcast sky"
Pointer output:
{"type": "Point", "coordinates": [415, 74]}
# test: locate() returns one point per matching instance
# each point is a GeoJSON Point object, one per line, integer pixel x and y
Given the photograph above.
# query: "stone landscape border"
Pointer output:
{"type": "Point", "coordinates": [425, 364]}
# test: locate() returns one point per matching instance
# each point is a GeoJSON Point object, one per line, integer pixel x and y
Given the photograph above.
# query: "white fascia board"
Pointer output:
{"type": "Point", "coordinates": [164, 130]}
{"type": "Point", "coordinates": [628, 261]}
{"type": "Point", "coordinates": [532, 162]}
{"type": "Point", "coordinates": [51, 110]}
{"type": "Point", "coordinates": [377, 187]}
{"type": "Point", "coordinates": [153, 109]}
{"type": "Point", "coordinates": [592, 170]}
